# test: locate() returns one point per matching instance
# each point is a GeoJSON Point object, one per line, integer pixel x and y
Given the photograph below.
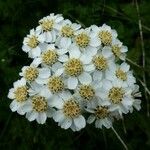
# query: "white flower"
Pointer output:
{"type": "Point", "coordinates": [33, 73]}
{"type": "Point", "coordinates": [102, 61]}
{"type": "Point", "coordinates": [31, 43]}
{"type": "Point", "coordinates": [50, 56]}
{"type": "Point", "coordinates": [83, 41]}
{"type": "Point", "coordinates": [101, 115]}
{"type": "Point", "coordinates": [118, 95]}
{"type": "Point", "coordinates": [103, 35]}
{"type": "Point", "coordinates": [118, 49]}
{"type": "Point", "coordinates": [90, 93]}
{"type": "Point", "coordinates": [48, 27]}
{"type": "Point", "coordinates": [69, 113]}
{"type": "Point", "coordinates": [37, 107]}
{"type": "Point", "coordinates": [135, 98]}
{"type": "Point", "coordinates": [66, 33]}
{"type": "Point", "coordinates": [76, 69]}
{"type": "Point", "coordinates": [19, 95]}
{"type": "Point", "coordinates": [121, 73]}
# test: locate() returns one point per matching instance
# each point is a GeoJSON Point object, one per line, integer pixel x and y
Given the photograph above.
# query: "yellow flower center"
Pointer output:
{"type": "Point", "coordinates": [49, 57]}
{"type": "Point", "coordinates": [101, 112]}
{"type": "Point", "coordinates": [100, 62]}
{"type": "Point", "coordinates": [31, 73]}
{"type": "Point", "coordinates": [33, 42]}
{"type": "Point", "coordinates": [105, 37]}
{"type": "Point", "coordinates": [55, 84]}
{"type": "Point", "coordinates": [74, 67]}
{"type": "Point", "coordinates": [71, 108]}
{"type": "Point", "coordinates": [82, 40]}
{"type": "Point", "coordinates": [116, 50]}
{"type": "Point", "coordinates": [47, 25]}
{"type": "Point", "coordinates": [39, 103]}
{"type": "Point", "coordinates": [116, 95]}
{"type": "Point", "coordinates": [67, 31]}
{"type": "Point", "coordinates": [21, 93]}
{"type": "Point", "coordinates": [86, 92]}
{"type": "Point", "coordinates": [121, 74]}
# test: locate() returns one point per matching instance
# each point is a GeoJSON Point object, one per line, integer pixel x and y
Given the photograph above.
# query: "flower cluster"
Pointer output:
{"type": "Point", "coordinates": [74, 72]}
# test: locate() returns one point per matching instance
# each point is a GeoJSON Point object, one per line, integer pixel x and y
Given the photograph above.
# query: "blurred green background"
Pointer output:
{"type": "Point", "coordinates": [17, 17]}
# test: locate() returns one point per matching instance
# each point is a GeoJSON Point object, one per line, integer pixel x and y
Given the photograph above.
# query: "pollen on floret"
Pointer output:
{"type": "Point", "coordinates": [47, 24]}
{"type": "Point", "coordinates": [21, 93]}
{"type": "Point", "coordinates": [101, 112]}
{"type": "Point", "coordinates": [55, 84]}
{"type": "Point", "coordinates": [116, 50]}
{"type": "Point", "coordinates": [39, 103]}
{"type": "Point", "coordinates": [100, 62]}
{"type": "Point", "coordinates": [86, 92]}
{"type": "Point", "coordinates": [71, 108]}
{"type": "Point", "coordinates": [67, 31]}
{"type": "Point", "coordinates": [105, 37]}
{"type": "Point", "coordinates": [50, 57]}
{"type": "Point", "coordinates": [32, 41]}
{"type": "Point", "coordinates": [82, 40]}
{"type": "Point", "coordinates": [116, 94]}
{"type": "Point", "coordinates": [31, 73]}
{"type": "Point", "coordinates": [121, 74]}
{"type": "Point", "coordinates": [74, 67]}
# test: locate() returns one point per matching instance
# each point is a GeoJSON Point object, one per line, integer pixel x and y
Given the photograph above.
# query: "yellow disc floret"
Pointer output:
{"type": "Point", "coordinates": [105, 37]}
{"type": "Point", "coordinates": [74, 67]}
{"type": "Point", "coordinates": [116, 94]}
{"type": "Point", "coordinates": [116, 50]}
{"type": "Point", "coordinates": [121, 74]}
{"type": "Point", "coordinates": [82, 40]}
{"type": "Point", "coordinates": [31, 74]}
{"type": "Point", "coordinates": [33, 42]}
{"type": "Point", "coordinates": [101, 112]}
{"type": "Point", "coordinates": [86, 92]}
{"type": "Point", "coordinates": [100, 62]}
{"type": "Point", "coordinates": [21, 93]}
{"type": "Point", "coordinates": [67, 31]}
{"type": "Point", "coordinates": [71, 108]}
{"type": "Point", "coordinates": [39, 103]}
{"type": "Point", "coordinates": [47, 24]}
{"type": "Point", "coordinates": [55, 84]}
{"type": "Point", "coordinates": [49, 57]}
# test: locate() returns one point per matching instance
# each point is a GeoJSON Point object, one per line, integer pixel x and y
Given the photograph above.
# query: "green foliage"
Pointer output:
{"type": "Point", "coordinates": [17, 17]}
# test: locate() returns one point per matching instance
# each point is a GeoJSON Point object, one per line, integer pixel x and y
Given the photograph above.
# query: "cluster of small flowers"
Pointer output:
{"type": "Point", "coordinates": [75, 71]}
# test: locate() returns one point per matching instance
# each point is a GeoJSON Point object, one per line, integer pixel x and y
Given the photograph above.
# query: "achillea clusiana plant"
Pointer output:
{"type": "Point", "coordinates": [75, 71]}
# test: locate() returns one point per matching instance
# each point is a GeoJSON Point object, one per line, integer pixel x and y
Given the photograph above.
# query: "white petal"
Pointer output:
{"type": "Point", "coordinates": [85, 78]}
{"type": "Point", "coordinates": [90, 67]}
{"type": "Point", "coordinates": [26, 48]}
{"type": "Point", "coordinates": [56, 101]}
{"type": "Point", "coordinates": [63, 58]}
{"type": "Point", "coordinates": [125, 67]}
{"type": "Point", "coordinates": [14, 105]}
{"type": "Point", "coordinates": [48, 36]}
{"type": "Point", "coordinates": [35, 52]}
{"type": "Point", "coordinates": [80, 122]}
{"type": "Point", "coordinates": [74, 51]}
{"type": "Point", "coordinates": [36, 62]}
{"type": "Point", "coordinates": [44, 73]}
{"type": "Point", "coordinates": [59, 72]}
{"type": "Point", "coordinates": [65, 42]}
{"type": "Point", "coordinates": [11, 94]}
{"type": "Point", "coordinates": [97, 75]}
{"type": "Point", "coordinates": [85, 59]}
{"type": "Point", "coordinates": [27, 107]}
{"type": "Point", "coordinates": [72, 82]}
{"type": "Point", "coordinates": [58, 116]}
{"type": "Point", "coordinates": [106, 52]}
{"type": "Point", "coordinates": [91, 119]}
{"type": "Point", "coordinates": [41, 119]}
{"type": "Point", "coordinates": [95, 42]}
{"type": "Point", "coordinates": [31, 116]}
{"type": "Point", "coordinates": [66, 123]}
{"type": "Point", "coordinates": [107, 85]}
